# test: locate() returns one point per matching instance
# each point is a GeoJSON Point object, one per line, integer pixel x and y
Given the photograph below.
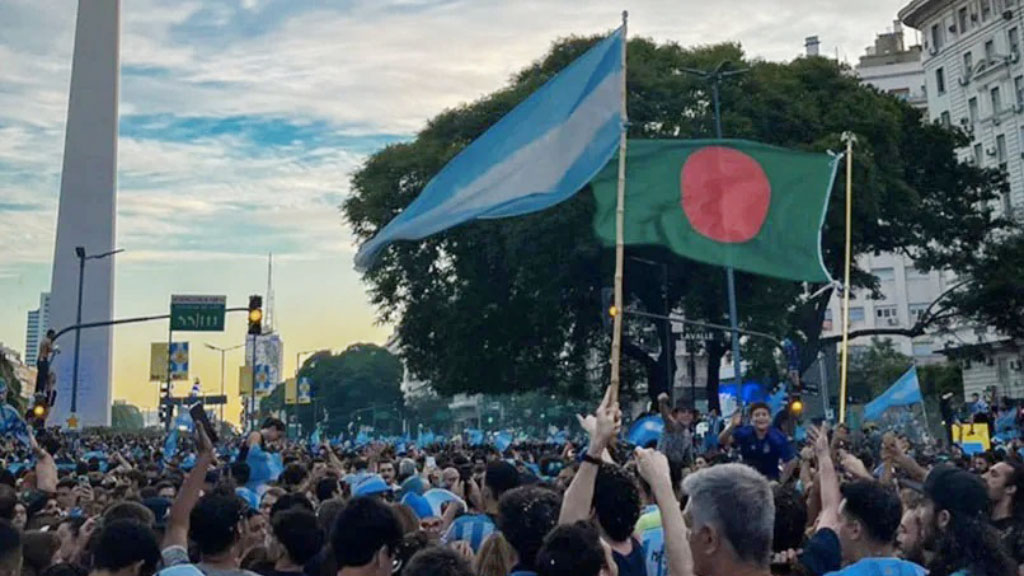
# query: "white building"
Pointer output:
{"type": "Point", "coordinates": [995, 368]}
{"type": "Point", "coordinates": [892, 67]}
{"type": "Point", "coordinates": [975, 79]}
{"type": "Point", "coordinates": [412, 388]}
{"type": "Point", "coordinates": [37, 325]}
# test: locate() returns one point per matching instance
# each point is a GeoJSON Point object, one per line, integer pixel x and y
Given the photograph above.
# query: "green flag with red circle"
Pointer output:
{"type": "Point", "coordinates": [751, 206]}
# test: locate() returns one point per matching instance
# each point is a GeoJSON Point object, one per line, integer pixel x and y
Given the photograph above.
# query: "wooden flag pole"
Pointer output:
{"type": "Point", "coordinates": [620, 213]}
{"type": "Point", "coordinates": [849, 138]}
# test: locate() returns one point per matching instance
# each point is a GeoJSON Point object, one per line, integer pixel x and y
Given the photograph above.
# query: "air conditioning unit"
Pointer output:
{"type": "Point", "coordinates": [932, 50]}
{"type": "Point", "coordinates": [1007, 14]}
{"type": "Point", "coordinates": [991, 150]}
{"type": "Point", "coordinates": [892, 321]}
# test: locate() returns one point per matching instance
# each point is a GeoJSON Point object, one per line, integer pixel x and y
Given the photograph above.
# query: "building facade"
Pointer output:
{"type": "Point", "coordinates": [36, 326]}
{"type": "Point", "coordinates": [974, 79]}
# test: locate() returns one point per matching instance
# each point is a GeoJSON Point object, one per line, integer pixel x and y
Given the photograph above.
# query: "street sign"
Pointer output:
{"type": "Point", "coordinates": [214, 400]}
{"type": "Point", "coordinates": [198, 313]}
{"type": "Point", "coordinates": [291, 391]}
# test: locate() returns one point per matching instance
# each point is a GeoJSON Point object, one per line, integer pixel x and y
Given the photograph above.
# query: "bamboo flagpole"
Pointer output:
{"type": "Point", "coordinates": [849, 138]}
{"type": "Point", "coordinates": [620, 214]}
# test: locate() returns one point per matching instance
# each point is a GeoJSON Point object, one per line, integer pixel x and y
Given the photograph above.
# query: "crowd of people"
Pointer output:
{"type": "Point", "coordinates": [748, 500]}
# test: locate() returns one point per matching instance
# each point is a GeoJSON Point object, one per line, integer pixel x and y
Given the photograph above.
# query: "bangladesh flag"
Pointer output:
{"type": "Point", "coordinates": [751, 206]}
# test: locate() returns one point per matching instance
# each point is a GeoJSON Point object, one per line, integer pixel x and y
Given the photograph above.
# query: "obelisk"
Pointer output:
{"type": "Point", "coordinates": [86, 215]}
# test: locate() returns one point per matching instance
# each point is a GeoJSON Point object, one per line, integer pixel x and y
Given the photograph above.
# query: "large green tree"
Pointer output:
{"type": "Point", "coordinates": [126, 417]}
{"type": "Point", "coordinates": [362, 383]}
{"type": "Point", "coordinates": [515, 304]}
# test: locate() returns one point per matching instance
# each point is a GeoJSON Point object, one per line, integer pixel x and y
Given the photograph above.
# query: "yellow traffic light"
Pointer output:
{"type": "Point", "coordinates": [39, 410]}
{"type": "Point", "coordinates": [796, 406]}
{"type": "Point", "coordinates": [256, 315]}
{"type": "Point", "coordinates": [613, 311]}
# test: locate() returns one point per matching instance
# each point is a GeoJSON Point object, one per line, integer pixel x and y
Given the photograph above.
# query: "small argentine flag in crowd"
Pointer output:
{"type": "Point", "coordinates": [537, 155]}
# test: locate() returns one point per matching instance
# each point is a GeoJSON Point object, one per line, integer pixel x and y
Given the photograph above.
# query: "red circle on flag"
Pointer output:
{"type": "Point", "coordinates": [725, 194]}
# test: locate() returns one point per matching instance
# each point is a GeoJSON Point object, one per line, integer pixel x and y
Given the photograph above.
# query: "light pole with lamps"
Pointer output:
{"type": "Point", "coordinates": [222, 351]}
{"type": "Point", "coordinates": [82, 257]}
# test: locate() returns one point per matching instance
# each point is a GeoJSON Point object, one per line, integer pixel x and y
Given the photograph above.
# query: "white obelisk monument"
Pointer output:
{"type": "Point", "coordinates": [86, 216]}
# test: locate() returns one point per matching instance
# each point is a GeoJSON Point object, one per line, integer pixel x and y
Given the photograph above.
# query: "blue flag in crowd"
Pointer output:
{"type": "Point", "coordinates": [12, 424]}
{"type": "Point", "coordinates": [474, 436]}
{"type": "Point", "coordinates": [502, 441]}
{"type": "Point", "coordinates": [171, 444]}
{"type": "Point", "coordinates": [539, 154]}
{"type": "Point", "coordinates": [314, 439]}
{"type": "Point", "coordinates": [264, 467]}
{"type": "Point", "coordinates": [903, 392]}
{"type": "Point", "coordinates": [646, 431]}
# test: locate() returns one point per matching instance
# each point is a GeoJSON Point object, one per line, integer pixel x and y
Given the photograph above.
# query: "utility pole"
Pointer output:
{"type": "Point", "coordinates": [715, 77]}
{"type": "Point", "coordinates": [82, 257]}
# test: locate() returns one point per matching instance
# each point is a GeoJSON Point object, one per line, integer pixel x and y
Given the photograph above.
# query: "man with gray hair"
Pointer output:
{"type": "Point", "coordinates": [727, 526]}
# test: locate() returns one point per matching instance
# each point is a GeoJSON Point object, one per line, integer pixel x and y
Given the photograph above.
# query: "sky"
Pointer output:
{"type": "Point", "coordinates": [241, 122]}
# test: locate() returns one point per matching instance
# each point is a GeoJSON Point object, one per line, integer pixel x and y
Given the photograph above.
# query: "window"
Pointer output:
{"type": "Point", "coordinates": [916, 310]}
{"type": "Point", "coordinates": [826, 323]}
{"type": "Point", "coordinates": [1007, 205]}
{"type": "Point", "coordinates": [972, 110]}
{"type": "Point", "coordinates": [1018, 88]}
{"type": "Point", "coordinates": [1014, 37]}
{"type": "Point", "coordinates": [968, 64]}
{"type": "Point", "coordinates": [990, 51]}
{"type": "Point", "coordinates": [937, 37]}
{"type": "Point", "coordinates": [884, 274]}
{"type": "Point", "coordinates": [944, 119]}
{"type": "Point", "coordinates": [940, 81]}
{"type": "Point", "coordinates": [1001, 151]}
{"type": "Point", "coordinates": [856, 314]}
{"type": "Point", "coordinates": [979, 156]}
{"type": "Point", "coordinates": [961, 17]}
{"type": "Point", "coordinates": [885, 312]}
{"type": "Point", "coordinates": [923, 348]}
{"type": "Point", "coordinates": [997, 101]}
{"type": "Point", "coordinates": [986, 10]}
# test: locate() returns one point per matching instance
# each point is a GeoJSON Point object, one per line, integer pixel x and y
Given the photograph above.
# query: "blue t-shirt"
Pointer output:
{"type": "Point", "coordinates": [881, 567]}
{"type": "Point", "coordinates": [764, 454]}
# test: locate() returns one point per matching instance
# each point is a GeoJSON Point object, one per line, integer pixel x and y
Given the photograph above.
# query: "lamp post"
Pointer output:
{"type": "Point", "coordinates": [82, 257]}
{"type": "Point", "coordinates": [222, 351]}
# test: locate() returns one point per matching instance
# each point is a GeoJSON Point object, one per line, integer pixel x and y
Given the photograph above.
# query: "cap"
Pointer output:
{"type": "Point", "coordinates": [961, 493]}
{"type": "Point", "coordinates": [371, 485]}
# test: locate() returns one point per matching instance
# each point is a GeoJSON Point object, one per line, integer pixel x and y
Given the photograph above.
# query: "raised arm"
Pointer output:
{"type": "Point", "coordinates": [726, 435]}
{"type": "Point", "coordinates": [178, 518]}
{"type": "Point", "coordinates": [577, 503]}
{"type": "Point", "coordinates": [828, 480]}
{"type": "Point", "coordinates": [653, 467]}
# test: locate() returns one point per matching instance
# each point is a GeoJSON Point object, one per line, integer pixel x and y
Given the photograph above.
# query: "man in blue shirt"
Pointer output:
{"type": "Point", "coordinates": [762, 446]}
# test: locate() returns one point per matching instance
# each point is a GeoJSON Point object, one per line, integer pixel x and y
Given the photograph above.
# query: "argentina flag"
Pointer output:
{"type": "Point", "coordinates": [904, 392]}
{"type": "Point", "coordinates": [537, 155]}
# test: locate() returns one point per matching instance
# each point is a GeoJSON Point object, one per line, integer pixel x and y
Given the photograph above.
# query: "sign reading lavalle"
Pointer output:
{"type": "Point", "coordinates": [198, 313]}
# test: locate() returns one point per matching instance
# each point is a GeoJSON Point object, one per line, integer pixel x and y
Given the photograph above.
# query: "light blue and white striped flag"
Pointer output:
{"type": "Point", "coordinates": [537, 155]}
{"type": "Point", "coordinates": [903, 392]}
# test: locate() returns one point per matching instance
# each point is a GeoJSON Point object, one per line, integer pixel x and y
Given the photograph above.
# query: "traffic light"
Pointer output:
{"type": "Point", "coordinates": [255, 315]}
{"type": "Point", "coordinates": [608, 309]}
{"type": "Point", "coordinates": [796, 406]}
{"type": "Point", "coordinates": [38, 411]}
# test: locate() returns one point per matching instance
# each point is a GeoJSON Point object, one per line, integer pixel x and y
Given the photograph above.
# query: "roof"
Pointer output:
{"type": "Point", "coordinates": [917, 11]}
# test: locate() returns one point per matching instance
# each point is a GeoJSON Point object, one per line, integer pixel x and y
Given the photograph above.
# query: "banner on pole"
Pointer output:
{"type": "Point", "coordinates": [291, 391]}
{"type": "Point", "coordinates": [305, 390]}
{"type": "Point", "coordinates": [178, 363]}
{"type": "Point", "coordinates": [245, 381]}
{"type": "Point", "coordinates": [263, 382]}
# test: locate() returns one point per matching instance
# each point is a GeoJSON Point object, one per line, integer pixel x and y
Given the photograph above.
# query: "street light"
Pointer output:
{"type": "Point", "coordinates": [222, 351]}
{"type": "Point", "coordinates": [82, 257]}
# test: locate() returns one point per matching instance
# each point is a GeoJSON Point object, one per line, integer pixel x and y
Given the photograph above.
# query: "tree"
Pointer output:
{"type": "Point", "coordinates": [994, 294]}
{"type": "Point", "coordinates": [8, 376]}
{"type": "Point", "coordinates": [872, 371]}
{"type": "Point", "coordinates": [126, 417]}
{"type": "Point", "coordinates": [515, 304]}
{"type": "Point", "coordinates": [361, 384]}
